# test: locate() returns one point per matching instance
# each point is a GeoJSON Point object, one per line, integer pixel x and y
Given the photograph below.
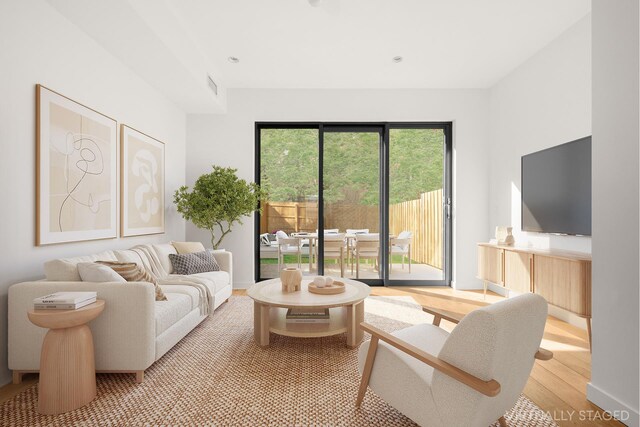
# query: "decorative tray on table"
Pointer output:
{"type": "Point", "coordinates": [336, 287]}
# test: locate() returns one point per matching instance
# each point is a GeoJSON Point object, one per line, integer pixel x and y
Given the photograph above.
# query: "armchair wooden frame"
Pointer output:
{"type": "Point", "coordinates": [489, 388]}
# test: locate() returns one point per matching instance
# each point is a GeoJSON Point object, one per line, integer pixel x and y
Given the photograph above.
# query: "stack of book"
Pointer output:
{"type": "Point", "coordinates": [308, 315]}
{"type": "Point", "coordinates": [64, 300]}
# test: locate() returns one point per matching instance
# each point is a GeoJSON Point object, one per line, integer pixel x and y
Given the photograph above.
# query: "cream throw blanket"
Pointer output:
{"type": "Point", "coordinates": [152, 264]}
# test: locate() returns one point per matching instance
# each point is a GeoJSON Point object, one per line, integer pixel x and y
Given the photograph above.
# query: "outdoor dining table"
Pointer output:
{"type": "Point", "coordinates": [313, 237]}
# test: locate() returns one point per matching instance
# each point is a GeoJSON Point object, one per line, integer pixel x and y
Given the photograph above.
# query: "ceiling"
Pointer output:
{"type": "Point", "coordinates": [351, 43]}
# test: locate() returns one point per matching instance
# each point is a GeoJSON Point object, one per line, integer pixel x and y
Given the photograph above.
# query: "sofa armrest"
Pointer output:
{"type": "Point", "coordinates": [225, 261]}
{"type": "Point", "coordinates": [123, 334]}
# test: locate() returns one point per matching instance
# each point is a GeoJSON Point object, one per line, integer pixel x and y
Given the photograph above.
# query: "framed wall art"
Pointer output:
{"type": "Point", "coordinates": [76, 171]}
{"type": "Point", "coordinates": [142, 183]}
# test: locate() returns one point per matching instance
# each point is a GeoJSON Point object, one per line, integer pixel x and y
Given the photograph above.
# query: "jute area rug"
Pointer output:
{"type": "Point", "coordinates": [218, 376]}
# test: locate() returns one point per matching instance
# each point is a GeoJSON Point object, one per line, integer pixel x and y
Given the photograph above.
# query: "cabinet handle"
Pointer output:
{"type": "Point", "coordinates": [531, 273]}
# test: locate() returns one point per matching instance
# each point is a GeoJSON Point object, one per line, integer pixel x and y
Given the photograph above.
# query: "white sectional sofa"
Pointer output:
{"type": "Point", "coordinates": [134, 330]}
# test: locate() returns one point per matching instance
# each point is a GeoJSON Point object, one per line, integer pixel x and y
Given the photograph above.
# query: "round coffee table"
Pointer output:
{"type": "Point", "coordinates": [67, 363]}
{"type": "Point", "coordinates": [270, 305]}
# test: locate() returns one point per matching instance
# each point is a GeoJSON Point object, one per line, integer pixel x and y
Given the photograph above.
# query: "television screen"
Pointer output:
{"type": "Point", "coordinates": [556, 189]}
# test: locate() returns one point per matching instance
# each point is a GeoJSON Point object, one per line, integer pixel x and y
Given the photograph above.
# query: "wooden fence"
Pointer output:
{"type": "Point", "coordinates": [423, 217]}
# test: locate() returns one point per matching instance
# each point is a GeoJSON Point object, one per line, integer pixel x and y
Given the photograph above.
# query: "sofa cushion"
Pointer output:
{"type": "Point", "coordinates": [92, 272]}
{"type": "Point", "coordinates": [197, 262]}
{"type": "Point", "coordinates": [214, 280]}
{"type": "Point", "coordinates": [163, 251]}
{"type": "Point", "coordinates": [66, 270]}
{"type": "Point", "coordinates": [167, 313]}
{"type": "Point", "coordinates": [128, 255]}
{"type": "Point", "coordinates": [190, 291]}
{"type": "Point", "coordinates": [188, 247]}
{"type": "Point", "coordinates": [131, 272]}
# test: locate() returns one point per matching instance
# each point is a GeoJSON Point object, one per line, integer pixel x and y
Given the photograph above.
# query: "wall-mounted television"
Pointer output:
{"type": "Point", "coordinates": [556, 189]}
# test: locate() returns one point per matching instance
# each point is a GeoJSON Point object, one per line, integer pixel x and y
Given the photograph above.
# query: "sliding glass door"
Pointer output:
{"type": "Point", "coordinates": [367, 201]}
{"type": "Point", "coordinates": [288, 170]}
{"type": "Point", "coordinates": [351, 201]}
{"type": "Point", "coordinates": [418, 204]}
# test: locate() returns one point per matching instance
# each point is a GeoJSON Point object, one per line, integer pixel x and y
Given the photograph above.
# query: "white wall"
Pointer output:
{"type": "Point", "coordinates": [228, 140]}
{"type": "Point", "coordinates": [614, 371]}
{"type": "Point", "coordinates": [544, 102]}
{"type": "Point", "coordinates": [38, 45]}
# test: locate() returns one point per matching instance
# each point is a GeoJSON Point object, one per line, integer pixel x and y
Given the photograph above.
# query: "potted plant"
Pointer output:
{"type": "Point", "coordinates": [218, 200]}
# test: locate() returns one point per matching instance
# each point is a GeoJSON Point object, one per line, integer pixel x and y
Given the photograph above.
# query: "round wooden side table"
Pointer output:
{"type": "Point", "coordinates": [67, 363]}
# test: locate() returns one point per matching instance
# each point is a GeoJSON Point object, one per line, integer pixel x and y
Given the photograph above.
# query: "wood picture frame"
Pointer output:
{"type": "Point", "coordinates": [76, 171]}
{"type": "Point", "coordinates": [142, 183]}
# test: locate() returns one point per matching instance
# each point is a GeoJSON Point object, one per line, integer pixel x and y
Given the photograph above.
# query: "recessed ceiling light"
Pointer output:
{"type": "Point", "coordinates": [397, 59]}
{"type": "Point", "coordinates": [233, 59]}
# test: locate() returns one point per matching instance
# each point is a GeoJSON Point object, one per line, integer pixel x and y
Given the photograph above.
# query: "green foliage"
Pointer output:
{"type": "Point", "coordinates": [219, 199]}
{"type": "Point", "coordinates": [289, 165]}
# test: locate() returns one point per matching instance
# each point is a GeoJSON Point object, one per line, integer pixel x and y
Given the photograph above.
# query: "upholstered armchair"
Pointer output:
{"type": "Point", "coordinates": [469, 377]}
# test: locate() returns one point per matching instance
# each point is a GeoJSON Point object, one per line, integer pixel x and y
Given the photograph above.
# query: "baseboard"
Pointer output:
{"type": "Point", "coordinates": [621, 411]}
{"type": "Point", "coordinates": [498, 289]}
{"type": "Point", "coordinates": [567, 316]}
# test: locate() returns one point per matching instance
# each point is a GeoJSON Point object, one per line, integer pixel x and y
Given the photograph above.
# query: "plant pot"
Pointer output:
{"type": "Point", "coordinates": [291, 279]}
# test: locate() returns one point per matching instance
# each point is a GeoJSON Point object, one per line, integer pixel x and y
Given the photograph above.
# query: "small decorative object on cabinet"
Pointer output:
{"type": "Point", "coordinates": [67, 363]}
{"type": "Point", "coordinates": [504, 236]}
{"type": "Point", "coordinates": [291, 279]}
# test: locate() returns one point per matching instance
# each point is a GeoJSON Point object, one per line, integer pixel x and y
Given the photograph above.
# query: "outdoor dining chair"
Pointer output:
{"type": "Point", "coordinates": [367, 246]}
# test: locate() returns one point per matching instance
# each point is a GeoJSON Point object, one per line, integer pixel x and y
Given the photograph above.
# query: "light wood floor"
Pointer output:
{"type": "Point", "coordinates": [557, 386]}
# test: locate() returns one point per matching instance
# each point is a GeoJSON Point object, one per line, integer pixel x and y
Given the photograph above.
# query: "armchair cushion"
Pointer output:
{"type": "Point", "coordinates": [402, 380]}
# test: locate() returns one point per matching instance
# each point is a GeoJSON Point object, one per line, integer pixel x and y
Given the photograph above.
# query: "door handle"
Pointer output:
{"type": "Point", "coordinates": [447, 207]}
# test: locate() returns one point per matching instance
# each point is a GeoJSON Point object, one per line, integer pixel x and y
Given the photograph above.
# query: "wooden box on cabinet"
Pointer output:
{"type": "Point", "coordinates": [490, 263]}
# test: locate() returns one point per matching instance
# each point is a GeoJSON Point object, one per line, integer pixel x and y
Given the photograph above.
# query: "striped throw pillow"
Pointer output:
{"type": "Point", "coordinates": [132, 272]}
{"type": "Point", "coordinates": [197, 262]}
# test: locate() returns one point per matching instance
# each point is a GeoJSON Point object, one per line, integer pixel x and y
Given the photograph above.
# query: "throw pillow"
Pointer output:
{"type": "Point", "coordinates": [188, 247]}
{"type": "Point", "coordinates": [92, 272]}
{"type": "Point", "coordinates": [198, 262]}
{"type": "Point", "coordinates": [132, 272]}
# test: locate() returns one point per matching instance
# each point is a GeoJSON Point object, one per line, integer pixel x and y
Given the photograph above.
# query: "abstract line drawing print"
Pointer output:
{"type": "Point", "coordinates": [80, 194]}
{"type": "Point", "coordinates": [83, 153]}
{"type": "Point", "coordinates": [76, 174]}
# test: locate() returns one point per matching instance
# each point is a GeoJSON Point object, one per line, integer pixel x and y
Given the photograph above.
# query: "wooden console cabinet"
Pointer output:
{"type": "Point", "coordinates": [563, 278]}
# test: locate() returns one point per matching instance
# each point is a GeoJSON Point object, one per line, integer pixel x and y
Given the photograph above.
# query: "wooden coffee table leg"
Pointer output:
{"type": "Point", "coordinates": [261, 324]}
{"type": "Point", "coordinates": [355, 316]}
{"type": "Point", "coordinates": [67, 370]}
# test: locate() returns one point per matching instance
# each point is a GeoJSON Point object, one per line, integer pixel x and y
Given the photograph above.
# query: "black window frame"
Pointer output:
{"type": "Point", "coordinates": [383, 128]}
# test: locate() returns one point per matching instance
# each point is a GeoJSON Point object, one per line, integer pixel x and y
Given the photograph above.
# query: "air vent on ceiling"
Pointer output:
{"type": "Point", "coordinates": [212, 85]}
